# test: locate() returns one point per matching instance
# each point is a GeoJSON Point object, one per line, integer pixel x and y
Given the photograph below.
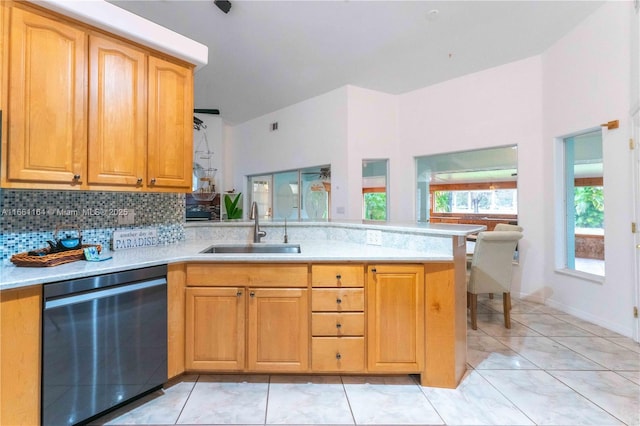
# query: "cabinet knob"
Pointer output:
{"type": "Point", "coordinates": [76, 177]}
{"type": "Point", "coordinates": [338, 277]}
{"type": "Point", "coordinates": [139, 181]}
{"type": "Point", "coordinates": [153, 181]}
{"type": "Point", "coordinates": [338, 356]}
{"type": "Point", "coordinates": [374, 270]}
{"type": "Point", "coordinates": [338, 325]}
{"type": "Point", "coordinates": [338, 301]}
{"type": "Point", "coordinates": [239, 293]}
{"type": "Point", "coordinates": [252, 294]}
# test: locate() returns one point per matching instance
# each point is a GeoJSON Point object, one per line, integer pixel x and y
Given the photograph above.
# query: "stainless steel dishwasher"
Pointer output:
{"type": "Point", "coordinates": [104, 343]}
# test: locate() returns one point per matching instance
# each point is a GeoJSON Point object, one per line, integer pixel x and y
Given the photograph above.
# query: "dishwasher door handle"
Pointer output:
{"type": "Point", "coordinates": [100, 294]}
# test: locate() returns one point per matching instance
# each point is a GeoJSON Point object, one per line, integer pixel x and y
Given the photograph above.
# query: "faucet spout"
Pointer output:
{"type": "Point", "coordinates": [257, 233]}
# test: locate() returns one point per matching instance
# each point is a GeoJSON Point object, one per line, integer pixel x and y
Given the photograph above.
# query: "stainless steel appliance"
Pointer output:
{"type": "Point", "coordinates": [104, 343]}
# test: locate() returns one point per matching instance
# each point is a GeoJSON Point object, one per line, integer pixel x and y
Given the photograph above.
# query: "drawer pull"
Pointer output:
{"type": "Point", "coordinates": [374, 270]}
{"type": "Point", "coordinates": [239, 293]}
{"type": "Point", "coordinates": [252, 294]}
{"type": "Point", "coordinates": [338, 356]}
{"type": "Point", "coordinates": [139, 181]}
{"type": "Point", "coordinates": [338, 301]}
{"type": "Point", "coordinates": [338, 277]}
{"type": "Point", "coordinates": [76, 177]}
{"type": "Point", "coordinates": [338, 325]}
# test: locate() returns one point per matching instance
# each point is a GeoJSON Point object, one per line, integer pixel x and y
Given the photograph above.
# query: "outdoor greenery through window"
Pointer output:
{"type": "Point", "coordinates": [459, 187]}
{"type": "Point", "coordinates": [374, 189]}
{"type": "Point", "coordinates": [584, 203]}
{"type": "Point", "coordinates": [375, 206]}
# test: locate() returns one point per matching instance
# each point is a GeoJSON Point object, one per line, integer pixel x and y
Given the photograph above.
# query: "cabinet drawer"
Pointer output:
{"type": "Point", "coordinates": [337, 324]}
{"type": "Point", "coordinates": [337, 275]}
{"type": "Point", "coordinates": [337, 354]}
{"type": "Point", "coordinates": [337, 300]}
{"type": "Point", "coordinates": [247, 274]}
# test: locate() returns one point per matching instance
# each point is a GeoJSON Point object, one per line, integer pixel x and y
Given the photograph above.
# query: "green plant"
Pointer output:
{"type": "Point", "coordinates": [443, 201]}
{"type": "Point", "coordinates": [589, 202]}
{"type": "Point", "coordinates": [375, 205]}
{"type": "Point", "coordinates": [233, 211]}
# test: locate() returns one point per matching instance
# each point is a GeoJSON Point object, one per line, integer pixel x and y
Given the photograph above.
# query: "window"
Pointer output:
{"type": "Point", "coordinates": [374, 190]}
{"type": "Point", "coordinates": [467, 186]}
{"type": "Point", "coordinates": [490, 201]}
{"type": "Point", "coordinates": [292, 194]}
{"type": "Point", "coordinates": [583, 199]}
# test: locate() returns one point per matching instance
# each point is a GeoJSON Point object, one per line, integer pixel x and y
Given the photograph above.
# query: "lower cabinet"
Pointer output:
{"type": "Point", "coordinates": [215, 328]}
{"type": "Point", "coordinates": [239, 328]}
{"type": "Point", "coordinates": [337, 318]}
{"type": "Point", "coordinates": [351, 318]}
{"type": "Point", "coordinates": [20, 337]}
{"type": "Point", "coordinates": [278, 330]}
{"type": "Point", "coordinates": [395, 310]}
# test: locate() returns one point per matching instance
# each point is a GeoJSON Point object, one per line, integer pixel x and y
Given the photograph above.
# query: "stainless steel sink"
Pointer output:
{"type": "Point", "coordinates": [253, 248]}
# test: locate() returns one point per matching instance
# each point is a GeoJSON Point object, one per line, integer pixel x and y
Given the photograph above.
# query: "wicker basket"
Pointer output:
{"type": "Point", "coordinates": [53, 259]}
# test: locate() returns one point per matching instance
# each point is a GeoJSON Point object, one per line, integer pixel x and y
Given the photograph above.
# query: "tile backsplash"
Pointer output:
{"type": "Point", "coordinates": [28, 218]}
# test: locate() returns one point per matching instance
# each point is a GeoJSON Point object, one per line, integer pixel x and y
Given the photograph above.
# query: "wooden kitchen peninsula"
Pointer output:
{"type": "Point", "coordinates": [339, 306]}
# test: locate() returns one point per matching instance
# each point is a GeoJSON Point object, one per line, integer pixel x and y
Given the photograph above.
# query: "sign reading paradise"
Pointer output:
{"type": "Point", "coordinates": [135, 238]}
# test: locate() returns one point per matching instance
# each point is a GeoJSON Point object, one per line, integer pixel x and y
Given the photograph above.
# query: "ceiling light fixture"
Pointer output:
{"type": "Point", "coordinates": [223, 5]}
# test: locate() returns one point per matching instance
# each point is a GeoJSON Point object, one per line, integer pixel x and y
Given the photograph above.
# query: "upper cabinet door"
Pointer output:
{"type": "Point", "coordinates": [170, 136]}
{"type": "Point", "coordinates": [117, 113]}
{"type": "Point", "coordinates": [47, 100]}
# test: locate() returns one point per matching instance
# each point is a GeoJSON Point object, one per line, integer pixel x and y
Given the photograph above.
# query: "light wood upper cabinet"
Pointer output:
{"type": "Point", "coordinates": [395, 309]}
{"type": "Point", "coordinates": [170, 137]}
{"type": "Point", "coordinates": [117, 113]}
{"type": "Point", "coordinates": [47, 100]}
{"type": "Point", "coordinates": [90, 111]}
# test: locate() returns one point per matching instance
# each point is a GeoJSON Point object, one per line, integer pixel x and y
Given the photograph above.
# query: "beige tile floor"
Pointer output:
{"type": "Point", "coordinates": [550, 368]}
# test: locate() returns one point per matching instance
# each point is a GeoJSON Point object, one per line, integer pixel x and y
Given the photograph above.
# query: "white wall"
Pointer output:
{"type": "Point", "coordinates": [496, 107]}
{"type": "Point", "coordinates": [310, 133]}
{"type": "Point", "coordinates": [587, 82]}
{"type": "Point", "coordinates": [372, 134]}
{"type": "Point", "coordinates": [580, 82]}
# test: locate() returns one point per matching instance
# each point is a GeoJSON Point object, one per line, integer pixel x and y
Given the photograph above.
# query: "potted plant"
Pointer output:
{"type": "Point", "coordinates": [233, 205]}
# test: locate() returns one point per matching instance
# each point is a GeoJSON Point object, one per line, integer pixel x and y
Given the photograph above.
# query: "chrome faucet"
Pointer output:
{"type": "Point", "coordinates": [257, 233]}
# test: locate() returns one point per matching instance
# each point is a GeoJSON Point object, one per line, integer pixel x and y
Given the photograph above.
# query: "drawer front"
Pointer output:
{"type": "Point", "coordinates": [337, 324]}
{"type": "Point", "coordinates": [247, 274]}
{"type": "Point", "coordinates": [337, 300]}
{"type": "Point", "coordinates": [337, 354]}
{"type": "Point", "coordinates": [337, 275]}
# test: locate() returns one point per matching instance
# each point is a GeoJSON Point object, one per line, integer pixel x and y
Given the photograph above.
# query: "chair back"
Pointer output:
{"type": "Point", "coordinates": [492, 262]}
{"type": "Point", "coordinates": [507, 227]}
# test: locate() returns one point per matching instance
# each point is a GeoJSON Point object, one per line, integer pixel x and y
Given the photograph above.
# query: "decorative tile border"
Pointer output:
{"type": "Point", "coordinates": [28, 218]}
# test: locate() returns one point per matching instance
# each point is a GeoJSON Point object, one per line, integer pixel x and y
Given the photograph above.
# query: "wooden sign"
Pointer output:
{"type": "Point", "coordinates": [135, 238]}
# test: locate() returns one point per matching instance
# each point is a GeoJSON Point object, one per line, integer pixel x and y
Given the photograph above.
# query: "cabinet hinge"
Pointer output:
{"type": "Point", "coordinates": [635, 312]}
{"type": "Point", "coordinates": [632, 144]}
{"type": "Point", "coordinates": [634, 228]}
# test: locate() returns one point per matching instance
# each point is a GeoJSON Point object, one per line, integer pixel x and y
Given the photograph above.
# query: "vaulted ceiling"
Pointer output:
{"type": "Point", "coordinates": [266, 55]}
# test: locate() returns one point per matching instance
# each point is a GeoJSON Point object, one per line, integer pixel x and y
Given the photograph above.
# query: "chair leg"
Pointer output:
{"type": "Point", "coordinates": [472, 299]}
{"type": "Point", "coordinates": [506, 306]}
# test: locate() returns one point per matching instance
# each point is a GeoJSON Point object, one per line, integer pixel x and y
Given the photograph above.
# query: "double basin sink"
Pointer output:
{"type": "Point", "coordinates": [259, 248]}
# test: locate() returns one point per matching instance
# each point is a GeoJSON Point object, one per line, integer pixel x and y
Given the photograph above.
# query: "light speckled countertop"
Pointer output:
{"type": "Point", "coordinates": [311, 251]}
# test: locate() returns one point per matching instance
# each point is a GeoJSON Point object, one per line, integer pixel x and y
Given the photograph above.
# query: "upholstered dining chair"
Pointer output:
{"type": "Point", "coordinates": [491, 269]}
